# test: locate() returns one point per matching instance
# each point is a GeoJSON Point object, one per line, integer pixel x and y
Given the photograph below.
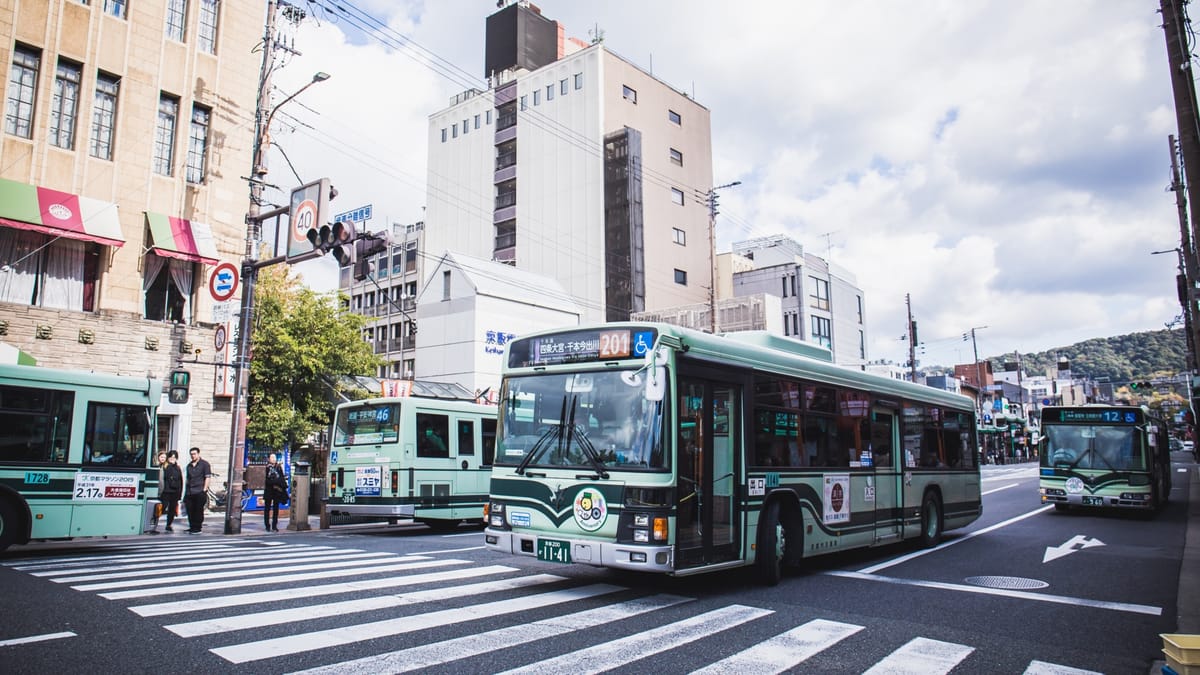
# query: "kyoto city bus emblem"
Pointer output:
{"type": "Point", "coordinates": [590, 509]}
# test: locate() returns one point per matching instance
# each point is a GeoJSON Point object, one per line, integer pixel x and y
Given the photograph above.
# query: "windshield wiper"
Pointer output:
{"type": "Point", "coordinates": [590, 450]}
{"type": "Point", "coordinates": [538, 448]}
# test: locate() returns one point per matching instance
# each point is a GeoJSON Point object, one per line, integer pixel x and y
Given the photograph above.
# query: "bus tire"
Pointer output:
{"type": "Point", "coordinates": [931, 520]}
{"type": "Point", "coordinates": [772, 543]}
{"type": "Point", "coordinates": [10, 524]}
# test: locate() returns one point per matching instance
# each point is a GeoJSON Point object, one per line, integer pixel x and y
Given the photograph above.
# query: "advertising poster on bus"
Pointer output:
{"type": "Point", "coordinates": [837, 498]}
{"type": "Point", "coordinates": [106, 487]}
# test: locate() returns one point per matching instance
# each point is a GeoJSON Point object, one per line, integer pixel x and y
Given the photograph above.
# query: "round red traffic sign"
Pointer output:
{"type": "Point", "coordinates": [219, 337]}
{"type": "Point", "coordinates": [224, 282]}
{"type": "Point", "coordinates": [304, 218]}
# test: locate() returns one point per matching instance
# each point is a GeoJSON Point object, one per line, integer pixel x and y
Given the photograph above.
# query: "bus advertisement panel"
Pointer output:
{"type": "Point", "coordinates": [75, 454]}
{"type": "Point", "coordinates": [424, 459]}
{"type": "Point", "coordinates": [652, 447]}
{"type": "Point", "coordinates": [1099, 455]}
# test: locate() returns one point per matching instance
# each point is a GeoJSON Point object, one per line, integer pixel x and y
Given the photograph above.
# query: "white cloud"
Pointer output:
{"type": "Point", "coordinates": [998, 161]}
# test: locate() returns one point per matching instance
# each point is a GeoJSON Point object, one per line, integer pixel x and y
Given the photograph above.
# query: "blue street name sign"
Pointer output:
{"type": "Point", "coordinates": [356, 215]}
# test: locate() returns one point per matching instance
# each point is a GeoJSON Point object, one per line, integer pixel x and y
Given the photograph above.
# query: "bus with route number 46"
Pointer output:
{"type": "Point", "coordinates": [658, 448]}
{"type": "Point", "coordinates": [75, 454]}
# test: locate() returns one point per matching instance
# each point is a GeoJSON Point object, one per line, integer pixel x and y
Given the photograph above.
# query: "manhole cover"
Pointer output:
{"type": "Point", "coordinates": [1010, 583]}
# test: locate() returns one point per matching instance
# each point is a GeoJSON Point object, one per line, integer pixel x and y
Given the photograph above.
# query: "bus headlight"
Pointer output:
{"type": "Point", "coordinates": [641, 520]}
{"type": "Point", "coordinates": [641, 536]}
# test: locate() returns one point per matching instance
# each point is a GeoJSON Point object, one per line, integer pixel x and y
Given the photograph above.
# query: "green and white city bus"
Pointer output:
{"type": "Point", "coordinates": [653, 447]}
{"type": "Point", "coordinates": [408, 457]}
{"type": "Point", "coordinates": [75, 454]}
{"type": "Point", "coordinates": [1103, 455]}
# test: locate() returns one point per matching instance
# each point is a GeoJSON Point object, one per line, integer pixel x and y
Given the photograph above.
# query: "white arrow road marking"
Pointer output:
{"type": "Point", "coordinates": [1076, 543]}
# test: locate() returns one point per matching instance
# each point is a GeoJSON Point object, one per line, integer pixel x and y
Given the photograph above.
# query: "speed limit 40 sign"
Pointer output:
{"type": "Point", "coordinates": [309, 208]}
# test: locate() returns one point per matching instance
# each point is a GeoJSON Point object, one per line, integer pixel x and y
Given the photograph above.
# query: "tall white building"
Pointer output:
{"type": "Point", "coordinates": [576, 165]}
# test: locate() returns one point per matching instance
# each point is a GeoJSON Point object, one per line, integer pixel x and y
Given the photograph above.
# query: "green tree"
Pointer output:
{"type": "Point", "coordinates": [302, 342]}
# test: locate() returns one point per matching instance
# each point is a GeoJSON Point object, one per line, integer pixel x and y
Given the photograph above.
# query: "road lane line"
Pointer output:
{"type": "Point", "coordinates": [916, 554]}
{"type": "Point", "coordinates": [922, 656]}
{"type": "Point", "coordinates": [1007, 593]}
{"type": "Point", "coordinates": [1005, 487]}
{"type": "Point", "coordinates": [784, 651]}
{"type": "Point", "coordinates": [36, 638]}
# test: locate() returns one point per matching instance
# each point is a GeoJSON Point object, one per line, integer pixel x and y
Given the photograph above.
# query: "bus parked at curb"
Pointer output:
{"type": "Point", "coordinates": [1104, 456]}
{"type": "Point", "coordinates": [75, 454]}
{"type": "Point", "coordinates": [662, 449]}
{"type": "Point", "coordinates": [423, 459]}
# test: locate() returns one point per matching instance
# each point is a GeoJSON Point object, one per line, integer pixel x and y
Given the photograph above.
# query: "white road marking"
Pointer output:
{"type": "Point", "coordinates": [1076, 543]}
{"type": "Point", "coordinates": [131, 571]}
{"type": "Point", "coordinates": [1043, 668]}
{"type": "Point", "coordinates": [1008, 593]}
{"type": "Point", "coordinates": [160, 554]}
{"type": "Point", "coordinates": [344, 635]}
{"type": "Point", "coordinates": [921, 656]}
{"type": "Point", "coordinates": [1005, 487]}
{"type": "Point", "coordinates": [36, 638]}
{"type": "Point", "coordinates": [448, 651]}
{"type": "Point", "coordinates": [784, 651]}
{"type": "Point", "coordinates": [602, 657]}
{"type": "Point", "coordinates": [343, 561]}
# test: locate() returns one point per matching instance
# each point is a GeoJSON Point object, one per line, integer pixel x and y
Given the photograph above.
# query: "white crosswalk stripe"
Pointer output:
{"type": "Point", "coordinates": [220, 581]}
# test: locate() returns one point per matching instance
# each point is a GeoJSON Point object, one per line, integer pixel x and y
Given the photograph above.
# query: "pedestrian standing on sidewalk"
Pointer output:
{"type": "Point", "coordinates": [161, 464]}
{"type": "Point", "coordinates": [275, 490]}
{"type": "Point", "coordinates": [171, 487]}
{"type": "Point", "coordinates": [198, 475]}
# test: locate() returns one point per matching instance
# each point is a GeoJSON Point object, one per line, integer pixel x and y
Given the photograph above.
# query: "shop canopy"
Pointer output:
{"type": "Point", "coordinates": [59, 214]}
{"type": "Point", "coordinates": [183, 239]}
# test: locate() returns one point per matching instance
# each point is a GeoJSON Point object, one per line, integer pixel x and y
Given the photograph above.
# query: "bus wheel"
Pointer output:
{"type": "Point", "coordinates": [931, 520]}
{"type": "Point", "coordinates": [8, 524]}
{"type": "Point", "coordinates": [771, 545]}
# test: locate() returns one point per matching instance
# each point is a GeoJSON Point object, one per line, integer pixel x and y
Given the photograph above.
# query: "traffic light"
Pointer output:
{"type": "Point", "coordinates": [371, 245]}
{"type": "Point", "coordinates": [337, 239]}
{"type": "Point", "coordinates": [181, 381]}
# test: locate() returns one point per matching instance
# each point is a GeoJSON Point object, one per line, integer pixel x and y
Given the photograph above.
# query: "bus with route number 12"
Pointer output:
{"type": "Point", "coordinates": [1104, 456]}
{"type": "Point", "coordinates": [75, 454]}
{"type": "Point", "coordinates": [410, 457]}
{"type": "Point", "coordinates": [658, 448]}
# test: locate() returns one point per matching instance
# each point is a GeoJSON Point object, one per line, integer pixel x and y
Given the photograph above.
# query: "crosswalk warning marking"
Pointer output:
{"type": "Point", "coordinates": [786, 650]}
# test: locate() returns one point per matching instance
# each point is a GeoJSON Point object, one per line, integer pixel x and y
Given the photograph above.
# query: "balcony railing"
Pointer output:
{"type": "Point", "coordinates": [506, 199]}
{"type": "Point", "coordinates": [506, 240]}
{"type": "Point", "coordinates": [506, 159]}
{"type": "Point", "coordinates": [506, 120]}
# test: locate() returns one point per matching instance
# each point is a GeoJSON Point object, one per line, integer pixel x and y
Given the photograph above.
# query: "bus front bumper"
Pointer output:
{"type": "Point", "coordinates": [383, 510]}
{"type": "Point", "coordinates": [585, 551]}
{"type": "Point", "coordinates": [1133, 500]}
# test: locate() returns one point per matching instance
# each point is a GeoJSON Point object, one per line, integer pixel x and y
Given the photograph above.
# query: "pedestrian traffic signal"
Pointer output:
{"type": "Point", "coordinates": [181, 381]}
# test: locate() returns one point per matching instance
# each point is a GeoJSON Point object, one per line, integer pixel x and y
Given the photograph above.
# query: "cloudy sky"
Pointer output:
{"type": "Point", "coordinates": [1005, 163]}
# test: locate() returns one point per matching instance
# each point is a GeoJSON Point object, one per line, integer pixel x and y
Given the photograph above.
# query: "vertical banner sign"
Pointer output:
{"type": "Point", "coordinates": [309, 209]}
{"type": "Point", "coordinates": [224, 381]}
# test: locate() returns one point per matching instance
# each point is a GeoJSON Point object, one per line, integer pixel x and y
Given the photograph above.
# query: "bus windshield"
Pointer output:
{"type": "Point", "coordinates": [1093, 447]}
{"type": "Point", "coordinates": [367, 424]}
{"type": "Point", "coordinates": [591, 421]}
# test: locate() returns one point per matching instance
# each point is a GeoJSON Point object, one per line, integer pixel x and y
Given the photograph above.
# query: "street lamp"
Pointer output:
{"type": "Point", "coordinates": [712, 252]}
{"type": "Point", "coordinates": [250, 266]}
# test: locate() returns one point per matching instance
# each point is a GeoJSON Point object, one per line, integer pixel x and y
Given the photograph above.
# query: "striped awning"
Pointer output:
{"type": "Point", "coordinates": [183, 239]}
{"type": "Point", "coordinates": [59, 214]}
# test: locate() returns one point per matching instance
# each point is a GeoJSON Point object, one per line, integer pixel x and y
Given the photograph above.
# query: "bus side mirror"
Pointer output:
{"type": "Point", "coordinates": [656, 383]}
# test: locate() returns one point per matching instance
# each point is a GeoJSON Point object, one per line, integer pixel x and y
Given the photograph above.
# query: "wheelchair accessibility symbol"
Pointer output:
{"type": "Point", "coordinates": [642, 343]}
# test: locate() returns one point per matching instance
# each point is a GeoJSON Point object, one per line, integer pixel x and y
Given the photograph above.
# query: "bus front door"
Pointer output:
{"type": "Point", "coordinates": [707, 531]}
{"type": "Point", "coordinates": [888, 514]}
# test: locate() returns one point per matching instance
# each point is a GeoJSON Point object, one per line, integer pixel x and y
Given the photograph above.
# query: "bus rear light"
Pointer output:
{"type": "Point", "coordinates": [395, 482]}
{"type": "Point", "coordinates": [660, 529]}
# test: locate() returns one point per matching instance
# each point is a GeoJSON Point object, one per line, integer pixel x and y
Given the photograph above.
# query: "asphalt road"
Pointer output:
{"type": "Point", "coordinates": [1023, 590]}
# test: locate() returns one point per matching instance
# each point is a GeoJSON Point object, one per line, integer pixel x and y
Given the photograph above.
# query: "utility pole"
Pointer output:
{"type": "Point", "coordinates": [712, 253]}
{"type": "Point", "coordinates": [912, 341]}
{"type": "Point", "coordinates": [978, 370]}
{"type": "Point", "coordinates": [1187, 260]}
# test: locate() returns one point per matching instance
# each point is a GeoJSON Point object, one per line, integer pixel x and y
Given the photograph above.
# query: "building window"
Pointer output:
{"type": "Point", "coordinates": [176, 19]}
{"type": "Point", "coordinates": [64, 108]}
{"type": "Point", "coordinates": [681, 277]}
{"type": "Point", "coordinates": [410, 366]}
{"type": "Point", "coordinates": [862, 345]}
{"type": "Point", "coordinates": [578, 81]}
{"type": "Point", "coordinates": [51, 272]}
{"type": "Point", "coordinates": [477, 121]}
{"type": "Point", "coordinates": [206, 36]}
{"type": "Point", "coordinates": [549, 93]}
{"type": "Point", "coordinates": [164, 135]}
{"type": "Point", "coordinates": [820, 295]}
{"type": "Point", "coordinates": [677, 196]}
{"type": "Point", "coordinates": [537, 96]}
{"type": "Point", "coordinates": [168, 285]}
{"type": "Point", "coordinates": [680, 236]}
{"type": "Point", "coordinates": [784, 286]}
{"type": "Point", "coordinates": [487, 117]}
{"type": "Point", "coordinates": [115, 8]}
{"type": "Point", "coordinates": [446, 285]}
{"type": "Point", "coordinates": [676, 157]}
{"type": "Point", "coordinates": [466, 126]}
{"type": "Point", "coordinates": [860, 309]}
{"type": "Point", "coordinates": [562, 87]}
{"type": "Point", "coordinates": [795, 323]}
{"type": "Point", "coordinates": [443, 134]}
{"type": "Point", "coordinates": [104, 116]}
{"type": "Point", "coordinates": [22, 86]}
{"type": "Point", "coordinates": [674, 117]}
{"type": "Point", "coordinates": [629, 93]}
{"type": "Point", "coordinates": [820, 332]}
{"type": "Point", "coordinates": [792, 277]}
{"type": "Point", "coordinates": [454, 130]}
{"type": "Point", "coordinates": [198, 144]}
{"type": "Point", "coordinates": [524, 102]}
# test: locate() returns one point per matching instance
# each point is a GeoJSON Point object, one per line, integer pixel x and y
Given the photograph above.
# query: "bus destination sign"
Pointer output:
{"type": "Point", "coordinates": [581, 346]}
{"type": "Point", "coordinates": [1097, 416]}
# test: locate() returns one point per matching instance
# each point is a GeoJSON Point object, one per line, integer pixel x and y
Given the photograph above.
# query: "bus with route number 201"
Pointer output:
{"type": "Point", "coordinates": [658, 448]}
{"type": "Point", "coordinates": [1104, 456]}
{"type": "Point", "coordinates": [410, 457]}
{"type": "Point", "coordinates": [75, 454]}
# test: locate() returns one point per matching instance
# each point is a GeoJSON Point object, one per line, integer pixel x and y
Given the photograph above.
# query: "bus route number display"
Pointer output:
{"type": "Point", "coordinates": [105, 487]}
{"type": "Point", "coordinates": [1098, 416]}
{"type": "Point", "coordinates": [574, 347]}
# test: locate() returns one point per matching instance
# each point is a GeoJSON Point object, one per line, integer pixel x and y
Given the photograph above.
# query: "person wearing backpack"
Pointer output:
{"type": "Point", "coordinates": [275, 490]}
{"type": "Point", "coordinates": [172, 487]}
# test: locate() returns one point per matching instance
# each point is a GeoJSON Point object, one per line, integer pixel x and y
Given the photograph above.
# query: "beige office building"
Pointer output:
{"type": "Point", "coordinates": [127, 132]}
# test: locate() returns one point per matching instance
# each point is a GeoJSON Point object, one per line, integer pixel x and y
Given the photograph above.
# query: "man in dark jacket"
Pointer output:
{"type": "Point", "coordinates": [172, 487]}
{"type": "Point", "coordinates": [198, 475]}
{"type": "Point", "coordinates": [275, 490]}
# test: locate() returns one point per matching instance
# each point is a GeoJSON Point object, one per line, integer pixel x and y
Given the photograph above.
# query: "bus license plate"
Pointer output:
{"type": "Point", "coordinates": [1093, 501]}
{"type": "Point", "coordinates": [552, 550]}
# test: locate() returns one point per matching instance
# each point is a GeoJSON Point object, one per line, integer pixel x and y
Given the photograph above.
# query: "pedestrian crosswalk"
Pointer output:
{"type": "Point", "coordinates": [323, 600]}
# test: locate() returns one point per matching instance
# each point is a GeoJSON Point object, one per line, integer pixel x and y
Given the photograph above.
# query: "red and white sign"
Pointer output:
{"type": "Point", "coordinates": [220, 338]}
{"type": "Point", "coordinates": [224, 282]}
{"type": "Point", "coordinates": [304, 218]}
{"type": "Point", "coordinates": [396, 388]}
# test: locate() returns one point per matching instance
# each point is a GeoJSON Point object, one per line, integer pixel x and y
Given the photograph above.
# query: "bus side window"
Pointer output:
{"type": "Point", "coordinates": [489, 441]}
{"type": "Point", "coordinates": [433, 432]}
{"type": "Point", "coordinates": [466, 438]}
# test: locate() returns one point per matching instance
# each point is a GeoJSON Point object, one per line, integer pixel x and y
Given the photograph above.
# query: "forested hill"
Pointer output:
{"type": "Point", "coordinates": [1120, 358]}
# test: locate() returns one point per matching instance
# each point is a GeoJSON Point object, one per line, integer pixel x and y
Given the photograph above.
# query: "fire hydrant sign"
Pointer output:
{"type": "Point", "coordinates": [105, 487]}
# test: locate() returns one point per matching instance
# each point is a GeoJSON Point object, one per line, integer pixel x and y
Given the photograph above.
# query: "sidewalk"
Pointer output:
{"type": "Point", "coordinates": [214, 524]}
{"type": "Point", "coordinates": [1188, 599]}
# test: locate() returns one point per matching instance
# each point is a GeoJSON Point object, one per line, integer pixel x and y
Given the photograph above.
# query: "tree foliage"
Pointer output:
{"type": "Point", "coordinates": [302, 341]}
{"type": "Point", "coordinates": [1121, 359]}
